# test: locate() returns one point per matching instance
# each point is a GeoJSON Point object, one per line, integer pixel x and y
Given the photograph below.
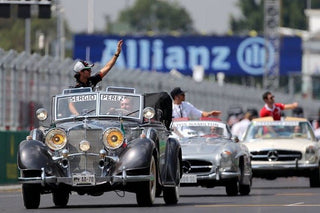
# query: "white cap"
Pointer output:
{"type": "Point", "coordinates": [81, 65]}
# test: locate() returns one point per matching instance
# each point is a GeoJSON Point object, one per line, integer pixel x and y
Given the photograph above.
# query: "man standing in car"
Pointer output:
{"type": "Point", "coordinates": [82, 70]}
{"type": "Point", "coordinates": [182, 108]}
{"type": "Point", "coordinates": [274, 109]}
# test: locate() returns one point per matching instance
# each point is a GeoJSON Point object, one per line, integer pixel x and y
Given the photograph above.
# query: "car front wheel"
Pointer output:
{"type": "Point", "coordinates": [171, 194]}
{"type": "Point", "coordinates": [232, 188]}
{"type": "Point", "coordinates": [60, 198]}
{"type": "Point", "coordinates": [314, 178]}
{"type": "Point", "coordinates": [31, 195]}
{"type": "Point", "coordinates": [147, 192]}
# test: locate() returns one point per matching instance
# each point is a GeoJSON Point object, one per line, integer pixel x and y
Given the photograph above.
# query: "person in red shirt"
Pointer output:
{"type": "Point", "coordinates": [274, 109]}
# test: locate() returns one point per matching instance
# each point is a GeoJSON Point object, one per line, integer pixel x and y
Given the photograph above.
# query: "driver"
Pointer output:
{"type": "Point", "coordinates": [126, 104]}
{"type": "Point", "coordinates": [126, 108]}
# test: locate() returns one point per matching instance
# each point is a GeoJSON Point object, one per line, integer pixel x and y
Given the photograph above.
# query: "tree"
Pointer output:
{"type": "Point", "coordinates": [292, 15]}
{"type": "Point", "coordinates": [12, 32]}
{"type": "Point", "coordinates": [153, 15]}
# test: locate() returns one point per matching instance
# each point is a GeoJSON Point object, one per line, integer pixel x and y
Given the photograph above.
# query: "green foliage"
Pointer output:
{"type": "Point", "coordinates": [12, 32]}
{"type": "Point", "coordinates": [154, 15]}
{"type": "Point", "coordinates": [292, 15]}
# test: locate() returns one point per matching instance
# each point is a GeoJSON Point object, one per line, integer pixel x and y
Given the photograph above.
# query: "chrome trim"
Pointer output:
{"type": "Point", "coordinates": [284, 166]}
{"type": "Point", "coordinates": [113, 158]}
{"type": "Point", "coordinates": [123, 178]}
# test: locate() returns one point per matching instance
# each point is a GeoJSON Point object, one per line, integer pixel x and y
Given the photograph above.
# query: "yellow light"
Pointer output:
{"type": "Point", "coordinates": [56, 139]}
{"type": "Point", "coordinates": [113, 138]}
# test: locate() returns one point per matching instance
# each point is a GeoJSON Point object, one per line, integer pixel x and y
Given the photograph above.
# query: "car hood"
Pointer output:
{"type": "Point", "coordinates": [283, 144]}
{"type": "Point", "coordinates": [195, 146]}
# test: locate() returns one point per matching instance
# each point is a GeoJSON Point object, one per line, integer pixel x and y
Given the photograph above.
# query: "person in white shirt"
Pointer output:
{"type": "Point", "coordinates": [182, 108]}
{"type": "Point", "coordinates": [238, 129]}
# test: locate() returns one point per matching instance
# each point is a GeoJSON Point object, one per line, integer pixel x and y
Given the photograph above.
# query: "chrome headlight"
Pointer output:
{"type": "Point", "coordinates": [56, 139]}
{"type": "Point", "coordinates": [226, 155]}
{"type": "Point", "coordinates": [113, 138]}
{"type": "Point", "coordinates": [42, 114]}
{"type": "Point", "coordinates": [226, 160]}
{"type": "Point", "coordinates": [311, 154]}
{"type": "Point", "coordinates": [148, 112]}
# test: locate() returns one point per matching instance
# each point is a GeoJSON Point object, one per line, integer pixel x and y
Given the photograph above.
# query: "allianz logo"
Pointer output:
{"type": "Point", "coordinates": [147, 54]}
{"type": "Point", "coordinates": [251, 55]}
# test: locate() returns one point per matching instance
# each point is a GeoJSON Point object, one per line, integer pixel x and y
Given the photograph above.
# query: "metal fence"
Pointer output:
{"type": "Point", "coordinates": [29, 81]}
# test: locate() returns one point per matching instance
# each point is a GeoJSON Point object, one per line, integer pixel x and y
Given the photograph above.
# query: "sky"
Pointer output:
{"type": "Point", "coordinates": [209, 16]}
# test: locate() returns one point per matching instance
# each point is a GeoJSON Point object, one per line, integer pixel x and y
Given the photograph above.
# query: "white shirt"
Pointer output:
{"type": "Point", "coordinates": [185, 109]}
{"type": "Point", "coordinates": [238, 129]}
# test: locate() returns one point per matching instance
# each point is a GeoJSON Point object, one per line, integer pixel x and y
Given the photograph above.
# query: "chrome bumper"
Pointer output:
{"type": "Point", "coordinates": [123, 178]}
{"type": "Point", "coordinates": [284, 166]}
{"type": "Point", "coordinates": [215, 176]}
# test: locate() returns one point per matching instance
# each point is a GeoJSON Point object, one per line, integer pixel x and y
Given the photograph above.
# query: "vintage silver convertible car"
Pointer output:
{"type": "Point", "coordinates": [210, 157]}
{"type": "Point", "coordinates": [112, 140]}
{"type": "Point", "coordinates": [283, 149]}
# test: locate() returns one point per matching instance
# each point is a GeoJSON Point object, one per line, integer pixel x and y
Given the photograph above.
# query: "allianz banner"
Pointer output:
{"type": "Point", "coordinates": [231, 55]}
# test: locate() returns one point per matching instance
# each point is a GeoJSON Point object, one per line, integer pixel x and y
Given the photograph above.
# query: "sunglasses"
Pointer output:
{"type": "Point", "coordinates": [271, 98]}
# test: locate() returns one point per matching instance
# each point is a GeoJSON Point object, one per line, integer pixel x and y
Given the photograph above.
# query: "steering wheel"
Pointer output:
{"type": "Point", "coordinates": [122, 111]}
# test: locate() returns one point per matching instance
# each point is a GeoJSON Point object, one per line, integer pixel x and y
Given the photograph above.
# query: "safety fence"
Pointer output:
{"type": "Point", "coordinates": [28, 81]}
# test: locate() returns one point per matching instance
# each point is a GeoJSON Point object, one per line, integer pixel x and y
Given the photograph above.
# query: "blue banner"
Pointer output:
{"type": "Point", "coordinates": [232, 55]}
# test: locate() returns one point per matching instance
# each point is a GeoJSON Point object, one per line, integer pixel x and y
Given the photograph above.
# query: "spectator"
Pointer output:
{"type": "Point", "coordinates": [182, 108]}
{"type": "Point", "coordinates": [274, 109]}
{"type": "Point", "coordinates": [83, 70]}
{"type": "Point", "coordinates": [239, 128]}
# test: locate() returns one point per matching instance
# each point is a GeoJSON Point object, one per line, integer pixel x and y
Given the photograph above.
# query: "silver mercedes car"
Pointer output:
{"type": "Point", "coordinates": [211, 157]}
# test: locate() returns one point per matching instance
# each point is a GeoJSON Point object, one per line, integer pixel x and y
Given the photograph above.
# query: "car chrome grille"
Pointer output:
{"type": "Point", "coordinates": [85, 162]}
{"type": "Point", "coordinates": [275, 155]}
{"type": "Point", "coordinates": [198, 166]}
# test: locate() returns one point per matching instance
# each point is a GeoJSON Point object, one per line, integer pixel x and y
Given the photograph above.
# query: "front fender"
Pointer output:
{"type": "Point", "coordinates": [173, 153]}
{"type": "Point", "coordinates": [136, 156]}
{"type": "Point", "coordinates": [33, 155]}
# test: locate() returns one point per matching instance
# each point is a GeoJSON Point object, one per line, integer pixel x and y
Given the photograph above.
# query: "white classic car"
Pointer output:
{"type": "Point", "coordinates": [211, 157]}
{"type": "Point", "coordinates": [283, 148]}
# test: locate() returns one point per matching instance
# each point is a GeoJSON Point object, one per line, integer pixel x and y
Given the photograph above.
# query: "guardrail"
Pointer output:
{"type": "Point", "coordinates": [28, 81]}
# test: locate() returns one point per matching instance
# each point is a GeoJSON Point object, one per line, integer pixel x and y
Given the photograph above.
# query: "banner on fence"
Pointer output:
{"type": "Point", "coordinates": [230, 55]}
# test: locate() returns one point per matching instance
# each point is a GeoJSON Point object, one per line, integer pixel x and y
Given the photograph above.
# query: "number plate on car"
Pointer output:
{"type": "Point", "coordinates": [188, 178]}
{"type": "Point", "coordinates": [83, 179]}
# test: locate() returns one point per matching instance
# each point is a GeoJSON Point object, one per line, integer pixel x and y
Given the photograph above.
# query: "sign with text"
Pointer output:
{"type": "Point", "coordinates": [231, 55]}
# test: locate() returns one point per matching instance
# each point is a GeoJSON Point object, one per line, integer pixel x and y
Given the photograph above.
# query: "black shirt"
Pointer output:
{"type": "Point", "coordinates": [92, 82]}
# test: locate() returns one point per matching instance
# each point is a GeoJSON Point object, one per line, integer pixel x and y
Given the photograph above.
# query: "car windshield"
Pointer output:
{"type": "Point", "coordinates": [278, 130]}
{"type": "Point", "coordinates": [97, 104]}
{"type": "Point", "coordinates": [200, 129]}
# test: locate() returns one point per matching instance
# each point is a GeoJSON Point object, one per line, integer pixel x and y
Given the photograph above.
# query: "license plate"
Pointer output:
{"type": "Point", "coordinates": [188, 178]}
{"type": "Point", "coordinates": [83, 179]}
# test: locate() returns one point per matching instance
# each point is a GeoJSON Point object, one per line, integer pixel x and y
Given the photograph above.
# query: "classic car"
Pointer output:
{"type": "Point", "coordinates": [211, 156]}
{"type": "Point", "coordinates": [103, 147]}
{"type": "Point", "coordinates": [283, 148]}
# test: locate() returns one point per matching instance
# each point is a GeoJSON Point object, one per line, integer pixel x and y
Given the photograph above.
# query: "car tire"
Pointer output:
{"type": "Point", "coordinates": [147, 192]}
{"type": "Point", "coordinates": [31, 195]}
{"type": "Point", "coordinates": [159, 190]}
{"type": "Point", "coordinates": [244, 189]}
{"type": "Point", "coordinates": [232, 188]}
{"type": "Point", "coordinates": [171, 194]}
{"type": "Point", "coordinates": [314, 178]}
{"type": "Point", "coordinates": [60, 198]}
